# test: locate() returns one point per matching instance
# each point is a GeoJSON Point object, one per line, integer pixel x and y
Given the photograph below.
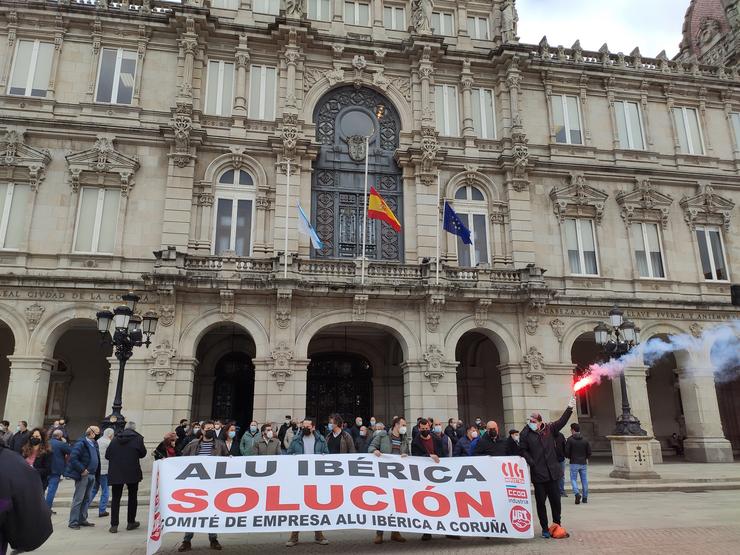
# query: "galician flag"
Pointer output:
{"type": "Point", "coordinates": [305, 227]}
{"type": "Point", "coordinates": [377, 209]}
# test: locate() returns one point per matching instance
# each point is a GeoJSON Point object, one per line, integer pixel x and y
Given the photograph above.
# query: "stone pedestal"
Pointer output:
{"type": "Point", "coordinates": [636, 379]}
{"type": "Point", "coordinates": [632, 457]}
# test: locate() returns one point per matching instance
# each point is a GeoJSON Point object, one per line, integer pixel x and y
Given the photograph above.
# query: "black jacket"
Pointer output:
{"type": "Point", "coordinates": [538, 449]}
{"type": "Point", "coordinates": [161, 451]}
{"type": "Point", "coordinates": [25, 518]}
{"type": "Point", "coordinates": [42, 464]}
{"type": "Point", "coordinates": [450, 432]}
{"type": "Point", "coordinates": [490, 447]}
{"type": "Point", "coordinates": [124, 453]}
{"type": "Point", "coordinates": [362, 443]}
{"type": "Point", "coordinates": [180, 432]}
{"type": "Point", "coordinates": [282, 431]}
{"type": "Point", "coordinates": [418, 450]}
{"type": "Point", "coordinates": [577, 449]}
{"type": "Point", "coordinates": [512, 448]}
{"type": "Point", "coordinates": [18, 440]}
{"type": "Point", "coordinates": [560, 446]}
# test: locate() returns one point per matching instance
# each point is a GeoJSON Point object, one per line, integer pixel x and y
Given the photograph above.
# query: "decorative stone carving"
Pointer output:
{"type": "Point", "coordinates": [289, 133]}
{"type": "Point", "coordinates": [311, 76]}
{"type": "Point", "coordinates": [167, 297]}
{"type": "Point", "coordinates": [33, 314]}
{"type": "Point", "coordinates": [102, 158]}
{"type": "Point", "coordinates": [435, 371]}
{"type": "Point", "coordinates": [294, 8]}
{"type": "Point", "coordinates": [282, 313]}
{"type": "Point", "coordinates": [403, 85]}
{"type": "Point", "coordinates": [14, 152]}
{"type": "Point", "coordinates": [182, 125]}
{"type": "Point", "coordinates": [544, 48]}
{"type": "Point", "coordinates": [281, 355]}
{"type": "Point", "coordinates": [579, 199]}
{"type": "Point", "coordinates": [359, 308]}
{"type": "Point", "coordinates": [161, 368]}
{"type": "Point", "coordinates": [421, 16]}
{"type": "Point", "coordinates": [530, 326]}
{"type": "Point", "coordinates": [429, 150]}
{"type": "Point", "coordinates": [534, 360]}
{"type": "Point", "coordinates": [435, 304]}
{"type": "Point", "coordinates": [558, 329]}
{"type": "Point", "coordinates": [481, 311]}
{"type": "Point", "coordinates": [708, 208]}
{"type": "Point", "coordinates": [360, 65]}
{"type": "Point", "coordinates": [227, 303]}
{"type": "Point", "coordinates": [205, 199]}
{"type": "Point", "coordinates": [696, 329]}
{"type": "Point", "coordinates": [509, 21]}
{"type": "Point", "coordinates": [644, 203]}
{"type": "Point", "coordinates": [577, 52]}
{"type": "Point", "coordinates": [166, 315]}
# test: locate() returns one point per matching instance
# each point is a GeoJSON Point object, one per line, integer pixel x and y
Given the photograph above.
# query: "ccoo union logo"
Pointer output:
{"type": "Point", "coordinates": [520, 518]}
{"type": "Point", "coordinates": [513, 492]}
{"type": "Point", "coordinates": [513, 473]}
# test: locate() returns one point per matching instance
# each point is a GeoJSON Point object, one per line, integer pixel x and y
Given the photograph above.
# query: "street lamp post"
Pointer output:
{"type": "Point", "coordinates": [617, 338]}
{"type": "Point", "coordinates": [129, 330]}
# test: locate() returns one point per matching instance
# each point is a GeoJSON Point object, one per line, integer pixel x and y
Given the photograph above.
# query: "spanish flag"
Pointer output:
{"type": "Point", "coordinates": [377, 209]}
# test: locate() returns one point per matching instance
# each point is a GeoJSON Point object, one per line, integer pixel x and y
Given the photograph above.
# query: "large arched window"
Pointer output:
{"type": "Point", "coordinates": [234, 213]}
{"type": "Point", "coordinates": [471, 206]}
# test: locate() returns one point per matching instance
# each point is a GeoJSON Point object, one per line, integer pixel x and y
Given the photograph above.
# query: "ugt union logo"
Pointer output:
{"type": "Point", "coordinates": [513, 473]}
{"type": "Point", "coordinates": [520, 518]}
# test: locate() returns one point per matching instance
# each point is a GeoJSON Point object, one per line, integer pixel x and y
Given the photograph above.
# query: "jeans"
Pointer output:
{"type": "Point", "coordinates": [189, 537]}
{"type": "Point", "coordinates": [542, 492]}
{"type": "Point", "coordinates": [51, 489]}
{"type": "Point", "coordinates": [81, 499]}
{"type": "Point", "coordinates": [575, 471]}
{"type": "Point", "coordinates": [115, 507]}
{"type": "Point", "coordinates": [561, 483]}
{"type": "Point", "coordinates": [102, 485]}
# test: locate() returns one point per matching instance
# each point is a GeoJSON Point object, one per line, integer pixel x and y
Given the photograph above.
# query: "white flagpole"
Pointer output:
{"type": "Point", "coordinates": [287, 213]}
{"type": "Point", "coordinates": [439, 193]}
{"type": "Point", "coordinates": [364, 217]}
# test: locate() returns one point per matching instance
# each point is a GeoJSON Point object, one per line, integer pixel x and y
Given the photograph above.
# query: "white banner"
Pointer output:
{"type": "Point", "coordinates": [466, 496]}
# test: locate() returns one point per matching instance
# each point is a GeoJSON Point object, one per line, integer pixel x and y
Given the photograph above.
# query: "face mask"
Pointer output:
{"type": "Point", "coordinates": [402, 430]}
{"type": "Point", "coordinates": [232, 434]}
{"type": "Point", "coordinates": [438, 429]}
{"type": "Point", "coordinates": [210, 434]}
{"type": "Point", "coordinates": [363, 433]}
{"type": "Point", "coordinates": [376, 432]}
{"type": "Point", "coordinates": [516, 438]}
{"type": "Point", "coordinates": [186, 429]}
{"type": "Point", "coordinates": [269, 434]}
{"type": "Point", "coordinates": [97, 437]}
{"type": "Point", "coordinates": [306, 431]}
{"type": "Point", "coordinates": [532, 426]}
{"type": "Point", "coordinates": [253, 429]}
{"type": "Point", "coordinates": [474, 434]}
{"type": "Point", "coordinates": [17, 428]}
{"type": "Point", "coordinates": [2, 429]}
{"type": "Point", "coordinates": [424, 433]}
{"type": "Point", "coordinates": [372, 422]}
{"type": "Point", "coordinates": [358, 422]}
{"type": "Point", "coordinates": [330, 426]}
{"type": "Point", "coordinates": [35, 440]}
{"type": "Point", "coordinates": [196, 431]}
{"type": "Point", "coordinates": [287, 422]}
{"type": "Point", "coordinates": [492, 434]}
{"type": "Point", "coordinates": [477, 422]}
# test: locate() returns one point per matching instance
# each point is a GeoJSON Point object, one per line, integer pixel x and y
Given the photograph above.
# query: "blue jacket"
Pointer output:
{"type": "Point", "coordinates": [463, 447]}
{"type": "Point", "coordinates": [79, 460]}
{"type": "Point", "coordinates": [320, 447]}
{"type": "Point", "coordinates": [59, 449]}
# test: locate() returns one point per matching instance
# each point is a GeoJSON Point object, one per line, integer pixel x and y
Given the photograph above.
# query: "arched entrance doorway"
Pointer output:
{"type": "Point", "coordinates": [344, 117]}
{"type": "Point", "coordinates": [596, 411]}
{"type": "Point", "coordinates": [7, 346]}
{"type": "Point", "coordinates": [479, 390]}
{"type": "Point", "coordinates": [725, 357]}
{"type": "Point", "coordinates": [664, 396]}
{"type": "Point", "coordinates": [78, 385]}
{"type": "Point", "coordinates": [355, 371]}
{"type": "Point", "coordinates": [224, 380]}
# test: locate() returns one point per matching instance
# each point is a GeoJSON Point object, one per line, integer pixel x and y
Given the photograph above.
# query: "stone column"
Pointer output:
{"type": "Point", "coordinates": [636, 378]}
{"type": "Point", "coordinates": [430, 387]}
{"type": "Point", "coordinates": [280, 386]}
{"type": "Point", "coordinates": [466, 84]}
{"type": "Point", "coordinates": [705, 441]}
{"type": "Point", "coordinates": [241, 60]}
{"type": "Point", "coordinates": [425, 74]}
{"type": "Point", "coordinates": [28, 388]}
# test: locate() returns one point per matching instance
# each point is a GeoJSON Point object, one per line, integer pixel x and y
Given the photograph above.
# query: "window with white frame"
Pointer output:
{"type": "Point", "coordinates": [31, 68]}
{"type": "Point", "coordinates": [116, 76]}
{"type": "Point", "coordinates": [445, 99]}
{"type": "Point", "coordinates": [443, 23]}
{"type": "Point", "coordinates": [271, 7]}
{"type": "Point", "coordinates": [648, 251]}
{"type": "Point", "coordinates": [471, 207]}
{"type": "Point", "coordinates": [580, 240]}
{"type": "Point", "coordinates": [319, 10]}
{"type": "Point", "coordinates": [357, 13]}
{"type": "Point", "coordinates": [225, 4]}
{"type": "Point", "coordinates": [14, 199]}
{"type": "Point", "coordinates": [484, 112]}
{"type": "Point", "coordinates": [629, 125]}
{"type": "Point", "coordinates": [97, 217]}
{"type": "Point", "coordinates": [478, 27]}
{"type": "Point", "coordinates": [712, 253]}
{"type": "Point", "coordinates": [735, 120]}
{"type": "Point", "coordinates": [394, 18]}
{"type": "Point", "coordinates": [234, 213]}
{"type": "Point", "coordinates": [220, 88]}
{"type": "Point", "coordinates": [688, 130]}
{"type": "Point", "coordinates": [262, 92]}
{"type": "Point", "coordinates": [566, 115]}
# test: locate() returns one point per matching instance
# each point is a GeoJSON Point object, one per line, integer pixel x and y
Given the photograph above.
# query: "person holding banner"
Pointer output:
{"type": "Point", "coordinates": [267, 445]}
{"type": "Point", "coordinates": [249, 437]}
{"type": "Point", "coordinates": [308, 440]}
{"type": "Point", "coordinates": [490, 444]}
{"type": "Point", "coordinates": [537, 444]}
{"type": "Point", "coordinates": [426, 444]}
{"type": "Point", "coordinates": [338, 441]}
{"type": "Point", "coordinates": [463, 447]}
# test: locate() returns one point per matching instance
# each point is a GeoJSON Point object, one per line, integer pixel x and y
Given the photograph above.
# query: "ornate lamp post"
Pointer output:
{"type": "Point", "coordinates": [129, 330]}
{"type": "Point", "coordinates": [617, 338]}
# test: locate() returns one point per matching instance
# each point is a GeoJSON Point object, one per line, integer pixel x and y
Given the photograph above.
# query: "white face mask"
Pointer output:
{"type": "Point", "coordinates": [269, 434]}
{"type": "Point", "coordinates": [372, 422]}
{"type": "Point", "coordinates": [402, 430]}
{"type": "Point", "coordinates": [516, 437]}
{"type": "Point", "coordinates": [358, 422]}
{"type": "Point", "coordinates": [474, 434]}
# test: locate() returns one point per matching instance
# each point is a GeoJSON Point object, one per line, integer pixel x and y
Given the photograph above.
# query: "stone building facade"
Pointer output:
{"type": "Point", "coordinates": [163, 148]}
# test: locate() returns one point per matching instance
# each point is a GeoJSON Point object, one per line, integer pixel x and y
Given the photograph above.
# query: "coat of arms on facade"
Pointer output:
{"type": "Point", "coordinates": [356, 145]}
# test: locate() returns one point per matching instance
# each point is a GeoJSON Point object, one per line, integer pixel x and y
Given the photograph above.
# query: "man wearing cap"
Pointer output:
{"type": "Point", "coordinates": [537, 445]}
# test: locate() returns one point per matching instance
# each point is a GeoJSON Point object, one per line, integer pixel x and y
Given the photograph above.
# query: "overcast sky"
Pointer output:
{"type": "Point", "coordinates": [653, 25]}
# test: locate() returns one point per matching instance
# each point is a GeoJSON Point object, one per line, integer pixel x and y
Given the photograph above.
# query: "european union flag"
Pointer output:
{"type": "Point", "coordinates": [453, 224]}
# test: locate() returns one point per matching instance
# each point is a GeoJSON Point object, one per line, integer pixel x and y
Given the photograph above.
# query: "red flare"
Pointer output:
{"type": "Point", "coordinates": [585, 381]}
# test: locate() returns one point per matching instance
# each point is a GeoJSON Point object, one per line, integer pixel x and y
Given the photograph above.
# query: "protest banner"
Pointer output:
{"type": "Point", "coordinates": [466, 496]}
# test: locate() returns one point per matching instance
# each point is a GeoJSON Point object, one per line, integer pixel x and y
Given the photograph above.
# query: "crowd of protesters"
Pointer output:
{"type": "Point", "coordinates": [103, 461]}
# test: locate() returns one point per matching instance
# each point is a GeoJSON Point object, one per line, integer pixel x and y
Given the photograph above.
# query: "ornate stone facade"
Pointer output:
{"type": "Point", "coordinates": [495, 337]}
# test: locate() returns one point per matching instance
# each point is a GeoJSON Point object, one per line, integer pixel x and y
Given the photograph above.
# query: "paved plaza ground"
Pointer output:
{"type": "Point", "coordinates": [681, 513]}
